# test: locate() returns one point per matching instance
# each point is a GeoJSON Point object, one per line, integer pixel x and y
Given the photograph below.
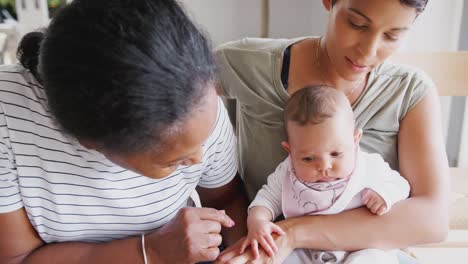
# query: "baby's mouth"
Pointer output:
{"type": "Point", "coordinates": [327, 179]}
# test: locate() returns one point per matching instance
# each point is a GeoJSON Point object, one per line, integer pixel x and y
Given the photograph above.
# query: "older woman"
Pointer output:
{"type": "Point", "coordinates": [108, 125]}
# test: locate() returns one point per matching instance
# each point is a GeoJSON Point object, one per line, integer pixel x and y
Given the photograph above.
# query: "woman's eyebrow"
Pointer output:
{"type": "Point", "coordinates": [370, 20]}
{"type": "Point", "coordinates": [360, 13]}
{"type": "Point", "coordinates": [399, 29]}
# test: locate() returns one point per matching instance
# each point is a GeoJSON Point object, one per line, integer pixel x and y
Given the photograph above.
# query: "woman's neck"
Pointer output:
{"type": "Point", "coordinates": [311, 65]}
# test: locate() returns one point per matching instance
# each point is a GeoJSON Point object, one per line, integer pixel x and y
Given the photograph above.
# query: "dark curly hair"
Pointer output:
{"type": "Point", "coordinates": [120, 73]}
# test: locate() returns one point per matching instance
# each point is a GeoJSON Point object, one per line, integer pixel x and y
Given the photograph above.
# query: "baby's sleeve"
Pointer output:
{"type": "Point", "coordinates": [388, 183]}
{"type": "Point", "coordinates": [270, 194]}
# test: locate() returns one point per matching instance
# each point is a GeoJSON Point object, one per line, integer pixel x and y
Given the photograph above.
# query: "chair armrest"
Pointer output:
{"type": "Point", "coordinates": [455, 248]}
{"type": "Point", "coordinates": [459, 199]}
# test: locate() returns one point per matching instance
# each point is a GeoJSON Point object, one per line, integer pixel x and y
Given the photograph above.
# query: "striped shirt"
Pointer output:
{"type": "Point", "coordinates": [71, 193]}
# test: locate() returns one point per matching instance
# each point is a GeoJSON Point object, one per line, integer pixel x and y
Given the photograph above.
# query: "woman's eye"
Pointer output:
{"type": "Point", "coordinates": [337, 154]}
{"type": "Point", "coordinates": [174, 165]}
{"type": "Point", "coordinates": [357, 26]}
{"type": "Point", "coordinates": [308, 159]}
{"type": "Point", "coordinates": [391, 38]}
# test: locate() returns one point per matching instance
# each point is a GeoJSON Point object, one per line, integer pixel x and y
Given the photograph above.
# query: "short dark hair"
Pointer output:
{"type": "Point", "coordinates": [313, 105]}
{"type": "Point", "coordinates": [419, 5]}
{"type": "Point", "coordinates": [119, 73]}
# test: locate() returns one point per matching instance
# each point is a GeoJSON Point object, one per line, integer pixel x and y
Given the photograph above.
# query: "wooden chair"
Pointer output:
{"type": "Point", "coordinates": [449, 70]}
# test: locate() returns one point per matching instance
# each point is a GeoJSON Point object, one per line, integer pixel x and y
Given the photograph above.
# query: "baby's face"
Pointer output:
{"type": "Point", "coordinates": [323, 152]}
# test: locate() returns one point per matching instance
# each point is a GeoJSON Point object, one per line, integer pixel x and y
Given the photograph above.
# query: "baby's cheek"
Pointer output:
{"type": "Point", "coordinates": [346, 165]}
{"type": "Point", "coordinates": [306, 174]}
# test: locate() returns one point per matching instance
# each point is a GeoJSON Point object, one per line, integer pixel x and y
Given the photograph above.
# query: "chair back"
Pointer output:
{"type": "Point", "coordinates": [448, 69]}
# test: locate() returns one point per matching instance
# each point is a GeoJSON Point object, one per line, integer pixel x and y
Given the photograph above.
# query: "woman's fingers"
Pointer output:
{"type": "Point", "coordinates": [212, 240]}
{"type": "Point", "coordinates": [231, 252]}
{"type": "Point", "coordinates": [244, 245]}
{"type": "Point", "coordinates": [215, 215]}
{"type": "Point", "coordinates": [210, 226]}
{"type": "Point", "coordinates": [209, 254]}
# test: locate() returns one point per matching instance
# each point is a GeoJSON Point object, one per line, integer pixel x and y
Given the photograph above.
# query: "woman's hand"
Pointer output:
{"type": "Point", "coordinates": [192, 236]}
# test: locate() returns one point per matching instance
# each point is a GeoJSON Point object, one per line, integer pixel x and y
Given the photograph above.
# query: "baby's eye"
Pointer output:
{"type": "Point", "coordinates": [336, 154]}
{"type": "Point", "coordinates": [308, 159]}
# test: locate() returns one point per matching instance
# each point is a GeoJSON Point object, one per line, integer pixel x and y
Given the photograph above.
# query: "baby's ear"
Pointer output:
{"type": "Point", "coordinates": [286, 146]}
{"type": "Point", "coordinates": [357, 135]}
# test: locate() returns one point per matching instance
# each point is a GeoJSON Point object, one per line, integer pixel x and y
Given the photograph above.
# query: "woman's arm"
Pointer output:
{"type": "Point", "coordinates": [182, 240]}
{"type": "Point", "coordinates": [423, 218]}
{"type": "Point", "coordinates": [20, 243]}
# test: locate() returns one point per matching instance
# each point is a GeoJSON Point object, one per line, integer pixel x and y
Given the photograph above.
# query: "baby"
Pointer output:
{"type": "Point", "coordinates": [325, 173]}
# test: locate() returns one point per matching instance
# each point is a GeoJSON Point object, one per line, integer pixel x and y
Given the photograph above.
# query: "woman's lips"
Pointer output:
{"type": "Point", "coordinates": [356, 67]}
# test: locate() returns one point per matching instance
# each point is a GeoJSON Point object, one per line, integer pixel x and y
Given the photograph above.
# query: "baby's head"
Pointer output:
{"type": "Point", "coordinates": [322, 139]}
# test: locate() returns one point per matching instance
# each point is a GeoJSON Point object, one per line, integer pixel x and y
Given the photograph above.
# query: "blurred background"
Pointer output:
{"type": "Point", "coordinates": [8, 7]}
{"type": "Point", "coordinates": [442, 27]}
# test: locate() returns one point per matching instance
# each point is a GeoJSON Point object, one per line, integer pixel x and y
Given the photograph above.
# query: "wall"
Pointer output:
{"type": "Point", "coordinates": [463, 45]}
{"type": "Point", "coordinates": [295, 18]}
{"type": "Point", "coordinates": [227, 20]}
{"type": "Point", "coordinates": [437, 28]}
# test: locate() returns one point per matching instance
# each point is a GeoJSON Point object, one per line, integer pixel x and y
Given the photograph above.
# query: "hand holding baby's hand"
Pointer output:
{"type": "Point", "coordinates": [374, 202]}
{"type": "Point", "coordinates": [260, 232]}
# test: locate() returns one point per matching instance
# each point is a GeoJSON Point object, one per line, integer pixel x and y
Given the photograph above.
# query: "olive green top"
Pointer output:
{"type": "Point", "coordinates": [250, 71]}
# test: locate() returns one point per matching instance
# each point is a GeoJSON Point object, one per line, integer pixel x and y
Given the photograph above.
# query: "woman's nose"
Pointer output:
{"type": "Point", "coordinates": [368, 47]}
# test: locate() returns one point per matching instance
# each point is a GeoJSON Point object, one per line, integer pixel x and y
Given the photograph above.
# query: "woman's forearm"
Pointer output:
{"type": "Point", "coordinates": [416, 220]}
{"type": "Point", "coordinates": [119, 251]}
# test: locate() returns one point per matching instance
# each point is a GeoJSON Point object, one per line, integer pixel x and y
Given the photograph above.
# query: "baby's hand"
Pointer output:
{"type": "Point", "coordinates": [260, 232]}
{"type": "Point", "coordinates": [374, 202]}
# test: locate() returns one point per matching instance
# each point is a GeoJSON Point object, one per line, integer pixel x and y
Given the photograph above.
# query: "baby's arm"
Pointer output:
{"type": "Point", "coordinates": [263, 210]}
{"type": "Point", "coordinates": [374, 202]}
{"type": "Point", "coordinates": [260, 225]}
{"type": "Point", "coordinates": [386, 188]}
